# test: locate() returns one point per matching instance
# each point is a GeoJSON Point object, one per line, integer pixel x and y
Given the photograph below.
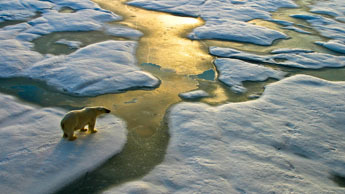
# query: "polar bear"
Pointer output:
{"type": "Point", "coordinates": [78, 119]}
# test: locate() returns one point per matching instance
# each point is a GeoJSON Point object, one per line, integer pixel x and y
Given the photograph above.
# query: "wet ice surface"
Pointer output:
{"type": "Point", "coordinates": [292, 141]}
{"type": "Point", "coordinates": [34, 158]}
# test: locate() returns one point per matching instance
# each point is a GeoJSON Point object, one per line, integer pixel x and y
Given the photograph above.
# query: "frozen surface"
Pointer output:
{"type": "Point", "coordinates": [236, 31]}
{"type": "Point", "coordinates": [327, 27]}
{"type": "Point", "coordinates": [82, 20]}
{"type": "Point", "coordinates": [284, 142]}
{"type": "Point", "coordinates": [196, 94]}
{"type": "Point", "coordinates": [16, 56]}
{"type": "Point", "coordinates": [106, 67]}
{"type": "Point", "coordinates": [233, 72]}
{"type": "Point", "coordinates": [334, 45]}
{"type": "Point", "coordinates": [225, 20]}
{"type": "Point", "coordinates": [335, 8]}
{"type": "Point", "coordinates": [286, 57]}
{"type": "Point", "coordinates": [34, 158]}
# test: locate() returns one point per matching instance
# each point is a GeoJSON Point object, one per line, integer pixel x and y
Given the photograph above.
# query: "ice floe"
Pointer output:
{"type": "Point", "coordinates": [16, 56]}
{"type": "Point", "coordinates": [192, 95]}
{"type": "Point", "coordinates": [34, 158]}
{"type": "Point", "coordinates": [236, 31]}
{"type": "Point", "coordinates": [325, 26]}
{"type": "Point", "coordinates": [288, 141]}
{"type": "Point", "coordinates": [81, 20]}
{"type": "Point", "coordinates": [334, 45]}
{"type": "Point", "coordinates": [226, 20]}
{"type": "Point", "coordinates": [123, 31]}
{"type": "Point", "coordinates": [233, 72]}
{"type": "Point", "coordinates": [292, 58]}
{"type": "Point", "coordinates": [105, 67]}
{"type": "Point", "coordinates": [335, 8]}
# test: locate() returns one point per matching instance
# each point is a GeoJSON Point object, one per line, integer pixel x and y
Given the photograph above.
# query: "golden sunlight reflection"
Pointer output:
{"type": "Point", "coordinates": [165, 52]}
{"type": "Point", "coordinates": [170, 20]}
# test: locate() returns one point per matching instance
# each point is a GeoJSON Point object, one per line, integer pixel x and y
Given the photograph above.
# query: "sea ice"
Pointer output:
{"type": "Point", "coordinates": [293, 58]}
{"type": "Point", "coordinates": [16, 56]}
{"type": "Point", "coordinates": [81, 20]}
{"type": "Point", "coordinates": [226, 20]}
{"type": "Point", "coordinates": [192, 95]}
{"type": "Point", "coordinates": [233, 72]}
{"type": "Point", "coordinates": [236, 31]}
{"type": "Point", "coordinates": [334, 45]}
{"type": "Point", "coordinates": [335, 8]}
{"type": "Point", "coordinates": [34, 158]}
{"type": "Point", "coordinates": [123, 31]}
{"type": "Point", "coordinates": [105, 67]}
{"type": "Point", "coordinates": [326, 26]}
{"type": "Point", "coordinates": [284, 142]}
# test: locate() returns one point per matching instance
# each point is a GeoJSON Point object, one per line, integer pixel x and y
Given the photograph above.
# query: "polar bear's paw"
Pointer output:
{"type": "Point", "coordinates": [94, 131]}
{"type": "Point", "coordinates": [72, 138]}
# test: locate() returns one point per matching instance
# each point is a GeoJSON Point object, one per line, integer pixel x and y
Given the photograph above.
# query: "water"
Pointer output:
{"type": "Point", "coordinates": [182, 65]}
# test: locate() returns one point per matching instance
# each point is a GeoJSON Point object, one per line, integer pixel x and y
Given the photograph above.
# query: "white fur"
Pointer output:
{"type": "Point", "coordinates": [78, 119]}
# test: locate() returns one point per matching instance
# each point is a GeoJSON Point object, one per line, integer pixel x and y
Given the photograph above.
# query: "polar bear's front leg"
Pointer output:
{"type": "Point", "coordinates": [71, 136]}
{"type": "Point", "coordinates": [92, 126]}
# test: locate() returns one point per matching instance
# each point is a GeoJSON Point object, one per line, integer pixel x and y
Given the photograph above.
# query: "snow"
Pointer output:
{"type": "Point", "coordinates": [34, 158]}
{"type": "Point", "coordinates": [105, 67]}
{"type": "Point", "coordinates": [81, 20]}
{"type": "Point", "coordinates": [284, 142]}
{"type": "Point", "coordinates": [292, 58]}
{"type": "Point", "coordinates": [233, 72]}
{"type": "Point", "coordinates": [334, 45]}
{"type": "Point", "coordinates": [16, 56]}
{"type": "Point", "coordinates": [225, 20]}
{"type": "Point", "coordinates": [192, 95]}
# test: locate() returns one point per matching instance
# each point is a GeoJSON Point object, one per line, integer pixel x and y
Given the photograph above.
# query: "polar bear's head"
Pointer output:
{"type": "Point", "coordinates": [99, 109]}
